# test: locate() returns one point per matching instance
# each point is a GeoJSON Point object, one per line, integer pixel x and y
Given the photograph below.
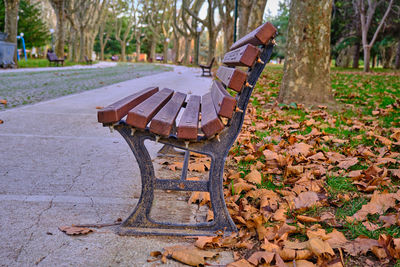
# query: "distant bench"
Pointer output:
{"type": "Point", "coordinates": [207, 68]}
{"type": "Point", "coordinates": [52, 58]}
{"type": "Point", "coordinates": [151, 114]}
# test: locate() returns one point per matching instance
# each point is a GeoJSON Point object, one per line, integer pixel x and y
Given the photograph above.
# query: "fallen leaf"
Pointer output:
{"type": "Point", "coordinates": [348, 163]}
{"type": "Point", "coordinates": [306, 199]}
{"type": "Point", "coordinates": [73, 230]}
{"type": "Point", "coordinates": [378, 205]}
{"type": "Point", "coordinates": [99, 107]}
{"type": "Point", "coordinates": [395, 172]}
{"type": "Point", "coordinates": [301, 263]}
{"type": "Point", "coordinates": [189, 255]}
{"type": "Point", "coordinates": [254, 177]}
{"type": "Point", "coordinates": [1, 121]}
{"type": "Point", "coordinates": [242, 186]}
{"type": "Point", "coordinates": [360, 245]}
{"type": "Point", "coordinates": [207, 241]}
{"type": "Point", "coordinates": [240, 263]}
{"type": "Point", "coordinates": [258, 256]}
{"type": "Point", "coordinates": [336, 239]}
{"type": "Point", "coordinates": [3, 101]}
{"type": "Point", "coordinates": [320, 247]}
{"type": "Point", "coordinates": [303, 218]}
{"type": "Point", "coordinates": [370, 226]}
{"type": "Point", "coordinates": [300, 148]}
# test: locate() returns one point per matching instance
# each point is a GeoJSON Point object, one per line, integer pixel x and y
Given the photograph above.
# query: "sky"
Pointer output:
{"type": "Point", "coordinates": [272, 7]}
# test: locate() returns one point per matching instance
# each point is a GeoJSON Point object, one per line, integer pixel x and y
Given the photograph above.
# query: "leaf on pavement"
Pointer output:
{"type": "Point", "coordinates": [73, 230]}
{"type": "Point", "coordinates": [189, 255]}
{"type": "Point", "coordinates": [1, 121]}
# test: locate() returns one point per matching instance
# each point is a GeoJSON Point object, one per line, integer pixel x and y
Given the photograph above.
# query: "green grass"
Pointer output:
{"type": "Point", "coordinates": [339, 185]}
{"type": "Point", "coordinates": [43, 63]}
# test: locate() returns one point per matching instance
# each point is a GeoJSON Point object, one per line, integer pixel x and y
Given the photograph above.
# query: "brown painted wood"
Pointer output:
{"type": "Point", "coordinates": [259, 36]}
{"type": "Point", "coordinates": [145, 111]}
{"type": "Point", "coordinates": [232, 78]}
{"type": "Point", "coordinates": [164, 120]}
{"type": "Point", "coordinates": [114, 112]}
{"type": "Point", "coordinates": [210, 122]}
{"type": "Point", "coordinates": [224, 103]}
{"type": "Point", "coordinates": [188, 125]}
{"type": "Point", "coordinates": [243, 56]}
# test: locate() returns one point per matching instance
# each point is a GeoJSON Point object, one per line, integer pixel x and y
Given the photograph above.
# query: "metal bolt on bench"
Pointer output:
{"type": "Point", "coordinates": [159, 109]}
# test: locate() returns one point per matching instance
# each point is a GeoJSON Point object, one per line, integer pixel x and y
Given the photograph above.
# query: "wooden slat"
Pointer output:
{"type": "Point", "coordinates": [259, 36]}
{"type": "Point", "coordinates": [187, 127]}
{"type": "Point", "coordinates": [210, 123]}
{"type": "Point", "coordinates": [114, 112]}
{"type": "Point", "coordinates": [232, 78]}
{"type": "Point", "coordinates": [164, 120]}
{"type": "Point", "coordinates": [145, 111]}
{"type": "Point", "coordinates": [224, 103]}
{"type": "Point", "coordinates": [243, 56]}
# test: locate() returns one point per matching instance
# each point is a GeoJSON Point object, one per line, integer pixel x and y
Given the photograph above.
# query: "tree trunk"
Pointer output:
{"type": "Point", "coordinates": [11, 23]}
{"type": "Point", "coordinates": [153, 47]}
{"type": "Point", "coordinates": [188, 43]}
{"type": "Point", "coordinates": [244, 15]}
{"type": "Point", "coordinates": [212, 41]}
{"type": "Point", "coordinates": [397, 62]}
{"type": "Point", "coordinates": [306, 76]}
{"type": "Point", "coordinates": [123, 51]}
{"type": "Point", "coordinates": [81, 44]}
{"type": "Point", "coordinates": [356, 55]}
{"type": "Point", "coordinates": [138, 44]}
{"type": "Point", "coordinates": [257, 14]}
{"type": "Point", "coordinates": [344, 57]}
{"type": "Point", "coordinates": [228, 36]}
{"type": "Point", "coordinates": [59, 9]}
{"type": "Point", "coordinates": [165, 52]}
{"type": "Point", "coordinates": [176, 48]}
{"type": "Point", "coordinates": [367, 57]}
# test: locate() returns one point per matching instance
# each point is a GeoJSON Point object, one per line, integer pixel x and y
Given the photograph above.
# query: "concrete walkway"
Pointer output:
{"type": "Point", "coordinates": [58, 166]}
{"type": "Point", "coordinates": [101, 64]}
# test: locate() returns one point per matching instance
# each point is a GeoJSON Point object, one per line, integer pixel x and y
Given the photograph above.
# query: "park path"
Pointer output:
{"type": "Point", "coordinates": [58, 166]}
{"type": "Point", "coordinates": [101, 64]}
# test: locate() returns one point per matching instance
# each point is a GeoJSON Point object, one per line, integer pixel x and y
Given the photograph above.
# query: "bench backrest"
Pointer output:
{"type": "Point", "coordinates": [51, 56]}
{"type": "Point", "coordinates": [252, 51]}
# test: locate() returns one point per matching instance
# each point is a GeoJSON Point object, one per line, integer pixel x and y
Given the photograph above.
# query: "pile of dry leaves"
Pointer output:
{"type": "Point", "coordinates": [277, 192]}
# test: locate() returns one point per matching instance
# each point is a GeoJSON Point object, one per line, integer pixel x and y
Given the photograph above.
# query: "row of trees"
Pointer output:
{"type": "Point", "coordinates": [359, 27]}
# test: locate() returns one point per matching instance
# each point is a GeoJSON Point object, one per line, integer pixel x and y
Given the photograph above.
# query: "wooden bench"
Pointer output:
{"type": "Point", "coordinates": [151, 114]}
{"type": "Point", "coordinates": [52, 58]}
{"type": "Point", "coordinates": [207, 68]}
{"type": "Point", "coordinates": [88, 61]}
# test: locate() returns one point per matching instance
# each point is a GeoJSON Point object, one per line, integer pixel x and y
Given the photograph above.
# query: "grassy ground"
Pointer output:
{"type": "Point", "coordinates": [349, 155]}
{"type": "Point", "coordinates": [20, 88]}
{"type": "Point", "coordinates": [42, 63]}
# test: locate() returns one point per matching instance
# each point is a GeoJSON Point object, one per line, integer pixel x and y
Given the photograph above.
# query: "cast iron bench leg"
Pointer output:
{"type": "Point", "coordinates": [139, 222]}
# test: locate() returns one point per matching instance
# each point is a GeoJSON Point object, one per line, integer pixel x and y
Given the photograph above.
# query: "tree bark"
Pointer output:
{"type": "Point", "coordinates": [356, 55]}
{"type": "Point", "coordinates": [257, 14]}
{"type": "Point", "coordinates": [11, 23]}
{"type": "Point", "coordinates": [306, 76]}
{"type": "Point", "coordinates": [59, 9]}
{"type": "Point", "coordinates": [397, 62]}
{"type": "Point", "coordinates": [165, 52]}
{"type": "Point", "coordinates": [244, 15]}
